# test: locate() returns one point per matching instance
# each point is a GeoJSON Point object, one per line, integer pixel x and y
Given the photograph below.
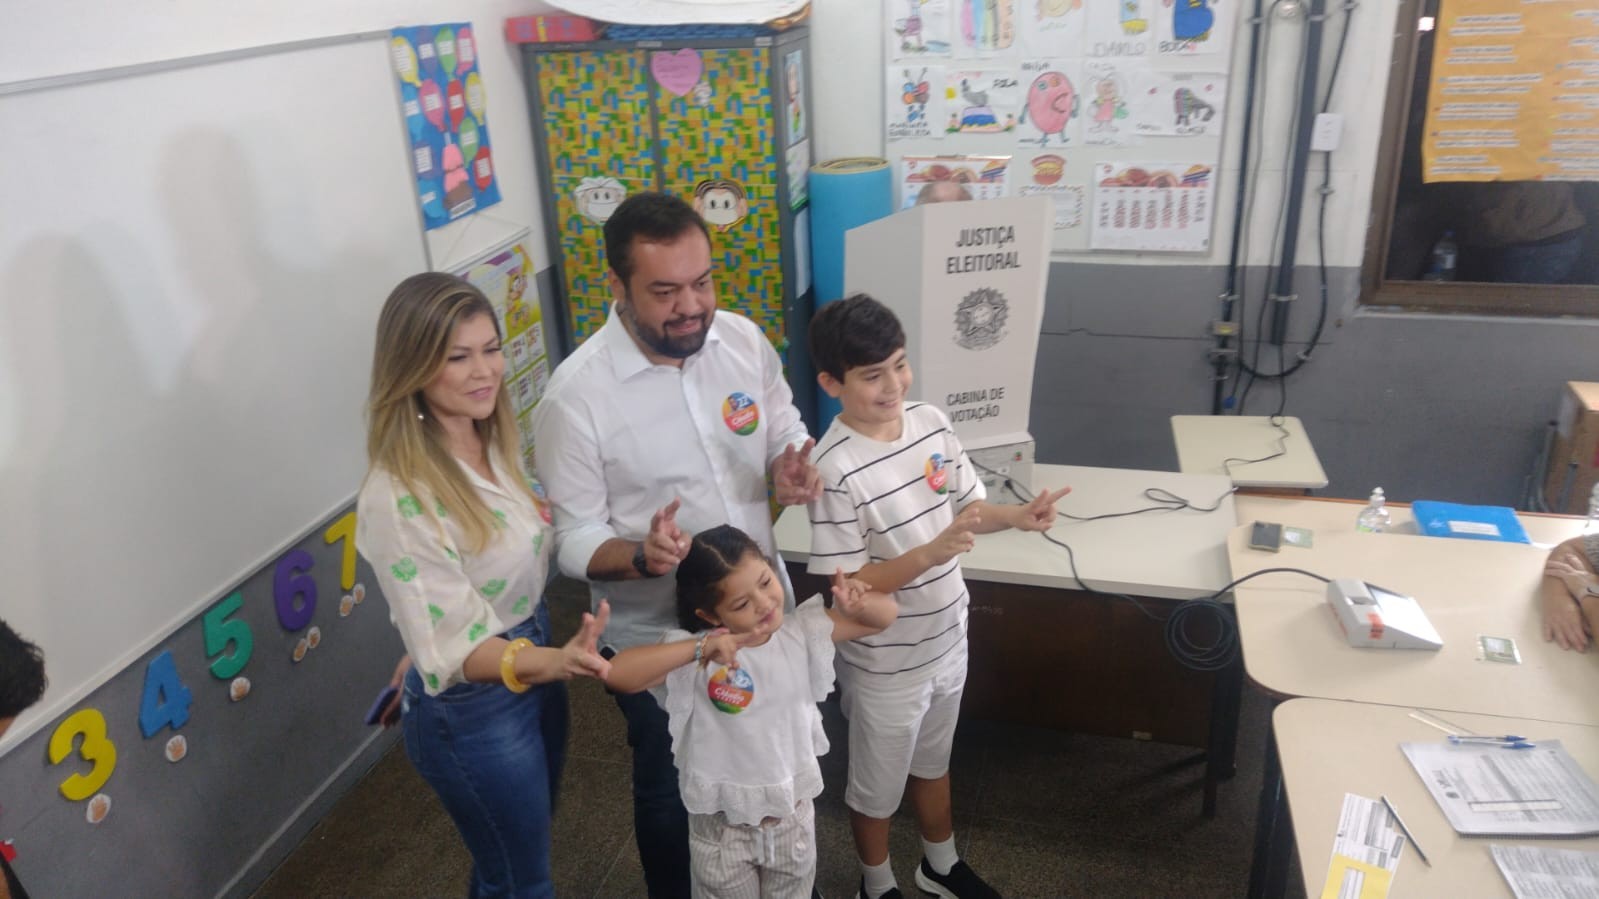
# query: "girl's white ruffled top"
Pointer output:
{"type": "Point", "coordinates": [746, 740]}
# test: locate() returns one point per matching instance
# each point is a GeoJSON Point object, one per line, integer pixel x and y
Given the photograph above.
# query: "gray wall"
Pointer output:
{"type": "Point", "coordinates": [1427, 406]}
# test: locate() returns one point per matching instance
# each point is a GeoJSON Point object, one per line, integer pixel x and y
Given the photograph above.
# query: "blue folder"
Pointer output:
{"type": "Point", "coordinates": [1470, 522]}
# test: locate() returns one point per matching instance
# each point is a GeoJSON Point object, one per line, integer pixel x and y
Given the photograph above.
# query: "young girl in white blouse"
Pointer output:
{"type": "Point", "coordinates": [461, 545]}
{"type": "Point", "coordinates": [740, 689]}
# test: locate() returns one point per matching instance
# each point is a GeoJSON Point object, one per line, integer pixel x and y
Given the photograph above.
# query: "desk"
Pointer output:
{"type": "Point", "coordinates": [1292, 645]}
{"type": "Point", "coordinates": [1332, 748]}
{"type": "Point", "coordinates": [1031, 624]}
{"type": "Point", "coordinates": [1206, 442]}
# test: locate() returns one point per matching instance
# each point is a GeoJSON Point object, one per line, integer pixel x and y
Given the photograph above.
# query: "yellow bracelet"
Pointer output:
{"type": "Point", "coordinates": [508, 665]}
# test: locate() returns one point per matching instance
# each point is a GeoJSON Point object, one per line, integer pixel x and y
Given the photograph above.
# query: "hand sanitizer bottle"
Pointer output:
{"type": "Point", "coordinates": [1374, 519]}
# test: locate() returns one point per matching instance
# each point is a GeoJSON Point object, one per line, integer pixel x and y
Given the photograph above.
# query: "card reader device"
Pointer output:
{"type": "Point", "coordinates": [1375, 618]}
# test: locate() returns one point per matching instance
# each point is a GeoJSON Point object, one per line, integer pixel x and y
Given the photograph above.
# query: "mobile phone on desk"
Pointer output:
{"type": "Point", "coordinates": [374, 715]}
{"type": "Point", "coordinates": [1267, 536]}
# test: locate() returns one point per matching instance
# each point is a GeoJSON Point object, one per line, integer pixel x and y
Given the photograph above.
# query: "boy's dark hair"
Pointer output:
{"type": "Point", "coordinates": [853, 332]}
{"type": "Point", "coordinates": [650, 216]}
{"type": "Point", "coordinates": [22, 679]}
{"type": "Point", "coordinates": [712, 556]}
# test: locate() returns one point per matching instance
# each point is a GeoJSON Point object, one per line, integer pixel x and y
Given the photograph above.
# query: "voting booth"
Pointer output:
{"type": "Point", "coordinates": [967, 281]}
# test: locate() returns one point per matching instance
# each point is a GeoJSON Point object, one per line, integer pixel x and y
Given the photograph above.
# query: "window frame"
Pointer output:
{"type": "Point", "coordinates": [1485, 298]}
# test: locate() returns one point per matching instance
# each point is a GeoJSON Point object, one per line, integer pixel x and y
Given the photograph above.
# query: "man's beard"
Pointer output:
{"type": "Point", "coordinates": [663, 344]}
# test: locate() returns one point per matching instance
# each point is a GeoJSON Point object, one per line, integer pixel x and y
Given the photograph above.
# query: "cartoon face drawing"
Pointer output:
{"type": "Point", "coordinates": [1051, 103]}
{"type": "Point", "coordinates": [597, 198]}
{"type": "Point", "coordinates": [721, 202]}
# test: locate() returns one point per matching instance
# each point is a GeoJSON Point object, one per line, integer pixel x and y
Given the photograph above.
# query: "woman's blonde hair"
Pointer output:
{"type": "Point", "coordinates": [403, 438]}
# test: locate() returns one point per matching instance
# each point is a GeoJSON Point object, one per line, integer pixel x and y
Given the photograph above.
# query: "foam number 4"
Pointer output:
{"type": "Point", "coordinates": [294, 590]}
{"type": "Point", "coordinates": [97, 749]}
{"type": "Point", "coordinates": [166, 700]}
{"type": "Point", "coordinates": [220, 633]}
{"type": "Point", "coordinates": [344, 529]}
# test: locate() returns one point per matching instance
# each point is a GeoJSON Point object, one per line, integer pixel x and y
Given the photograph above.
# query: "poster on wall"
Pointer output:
{"type": "Point", "coordinates": [794, 92]}
{"type": "Point", "coordinates": [1153, 206]}
{"type": "Point", "coordinates": [1043, 175]}
{"type": "Point", "coordinates": [1194, 27]}
{"type": "Point", "coordinates": [1107, 116]}
{"type": "Point", "coordinates": [985, 27]}
{"type": "Point", "coordinates": [1118, 28]}
{"type": "Point", "coordinates": [983, 177]}
{"type": "Point", "coordinates": [442, 98]}
{"type": "Point", "coordinates": [981, 101]}
{"type": "Point", "coordinates": [1052, 109]}
{"type": "Point", "coordinates": [506, 277]}
{"type": "Point", "coordinates": [915, 107]}
{"type": "Point", "coordinates": [918, 28]}
{"type": "Point", "coordinates": [1053, 27]}
{"type": "Point", "coordinates": [798, 165]}
{"type": "Point", "coordinates": [1514, 92]}
{"type": "Point", "coordinates": [1173, 104]}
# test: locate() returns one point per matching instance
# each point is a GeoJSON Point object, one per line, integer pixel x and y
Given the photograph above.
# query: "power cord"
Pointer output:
{"type": "Point", "coordinates": [1276, 421]}
{"type": "Point", "coordinates": [1190, 651]}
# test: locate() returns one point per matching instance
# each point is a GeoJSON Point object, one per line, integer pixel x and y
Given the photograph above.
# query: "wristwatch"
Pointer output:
{"type": "Point", "coordinates": [639, 564]}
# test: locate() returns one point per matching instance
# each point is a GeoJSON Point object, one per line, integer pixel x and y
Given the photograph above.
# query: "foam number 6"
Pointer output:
{"type": "Point", "coordinates": [97, 749]}
{"type": "Point", "coordinates": [344, 529]}
{"type": "Point", "coordinates": [166, 700]}
{"type": "Point", "coordinates": [293, 590]}
{"type": "Point", "coordinates": [219, 633]}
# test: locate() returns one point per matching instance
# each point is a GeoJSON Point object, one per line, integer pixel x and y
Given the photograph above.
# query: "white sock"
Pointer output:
{"type": "Point", "coordinates": [877, 879]}
{"type": "Point", "coordinates": [940, 856]}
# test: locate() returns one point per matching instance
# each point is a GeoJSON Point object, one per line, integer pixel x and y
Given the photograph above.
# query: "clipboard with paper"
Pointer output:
{"type": "Point", "coordinates": [1538, 790]}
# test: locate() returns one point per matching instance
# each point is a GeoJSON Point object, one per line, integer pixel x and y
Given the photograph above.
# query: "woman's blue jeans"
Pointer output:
{"type": "Point", "coordinates": [494, 757]}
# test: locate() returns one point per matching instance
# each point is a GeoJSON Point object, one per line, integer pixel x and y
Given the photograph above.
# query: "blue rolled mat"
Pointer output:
{"type": "Point", "coordinates": [845, 193]}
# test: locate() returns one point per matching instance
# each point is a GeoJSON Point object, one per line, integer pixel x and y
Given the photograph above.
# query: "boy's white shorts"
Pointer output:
{"type": "Point", "coordinates": [767, 861]}
{"type": "Point", "coordinates": [898, 727]}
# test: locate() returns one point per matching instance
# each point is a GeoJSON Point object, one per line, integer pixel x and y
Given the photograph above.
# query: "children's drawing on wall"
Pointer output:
{"type": "Point", "coordinates": [1194, 27]}
{"type": "Point", "coordinates": [981, 101]}
{"type": "Point", "coordinates": [987, 26]}
{"type": "Point", "coordinates": [597, 197]}
{"type": "Point", "coordinates": [918, 28]}
{"type": "Point", "coordinates": [1117, 28]}
{"type": "Point", "coordinates": [1050, 110]}
{"type": "Point", "coordinates": [721, 203]}
{"type": "Point", "coordinates": [1052, 27]}
{"type": "Point", "coordinates": [794, 84]}
{"type": "Point", "coordinates": [442, 99]}
{"type": "Point", "coordinates": [1107, 119]}
{"type": "Point", "coordinates": [1047, 170]}
{"type": "Point", "coordinates": [913, 105]}
{"type": "Point", "coordinates": [1153, 206]}
{"type": "Point", "coordinates": [982, 177]}
{"type": "Point", "coordinates": [1181, 105]}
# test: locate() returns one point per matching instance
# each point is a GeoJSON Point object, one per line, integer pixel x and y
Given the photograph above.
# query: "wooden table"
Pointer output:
{"type": "Point", "coordinates": [1330, 748]}
{"type": "Point", "coordinates": [1223, 444]}
{"type": "Point", "coordinates": [1032, 623]}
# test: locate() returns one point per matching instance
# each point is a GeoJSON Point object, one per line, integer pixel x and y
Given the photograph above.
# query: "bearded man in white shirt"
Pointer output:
{"type": "Point", "coordinates": [666, 422]}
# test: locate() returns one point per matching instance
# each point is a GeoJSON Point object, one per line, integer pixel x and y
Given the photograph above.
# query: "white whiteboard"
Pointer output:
{"type": "Point", "coordinates": [191, 266]}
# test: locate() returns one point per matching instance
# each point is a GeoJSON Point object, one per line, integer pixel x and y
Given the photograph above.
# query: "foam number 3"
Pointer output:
{"type": "Point", "coordinates": [344, 529]}
{"type": "Point", "coordinates": [97, 749]}
{"type": "Point", "coordinates": [166, 700]}
{"type": "Point", "coordinates": [294, 590]}
{"type": "Point", "coordinates": [220, 633]}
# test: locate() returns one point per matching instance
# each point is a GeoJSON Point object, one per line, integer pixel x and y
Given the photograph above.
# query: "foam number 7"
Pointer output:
{"type": "Point", "coordinates": [344, 529]}
{"type": "Point", "coordinates": [294, 590]}
{"type": "Point", "coordinates": [97, 749]}
{"type": "Point", "coordinates": [166, 700]}
{"type": "Point", "coordinates": [220, 633]}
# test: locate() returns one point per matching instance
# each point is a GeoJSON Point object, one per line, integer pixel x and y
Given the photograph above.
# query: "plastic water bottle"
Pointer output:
{"type": "Point", "coordinates": [1374, 519]}
{"type": "Point", "coordinates": [1445, 256]}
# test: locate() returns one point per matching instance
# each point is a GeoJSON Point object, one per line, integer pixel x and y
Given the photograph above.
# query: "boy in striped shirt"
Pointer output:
{"type": "Point", "coordinates": [900, 503]}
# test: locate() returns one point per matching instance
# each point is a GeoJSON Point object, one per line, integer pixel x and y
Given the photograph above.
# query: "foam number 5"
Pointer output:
{"type": "Point", "coordinates": [294, 590]}
{"type": "Point", "coordinates": [220, 633]}
{"type": "Point", "coordinates": [166, 700]}
{"type": "Point", "coordinates": [344, 529]}
{"type": "Point", "coordinates": [96, 749]}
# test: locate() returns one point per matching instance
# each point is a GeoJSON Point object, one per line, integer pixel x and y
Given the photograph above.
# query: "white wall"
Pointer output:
{"type": "Point", "coordinates": [69, 36]}
{"type": "Point", "coordinates": [848, 44]}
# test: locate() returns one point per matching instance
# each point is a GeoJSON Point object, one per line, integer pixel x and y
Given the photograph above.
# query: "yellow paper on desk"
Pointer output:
{"type": "Point", "coordinates": [1366, 851]}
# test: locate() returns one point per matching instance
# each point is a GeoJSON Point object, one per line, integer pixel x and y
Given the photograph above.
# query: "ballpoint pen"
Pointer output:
{"type": "Point", "coordinates": [1508, 741]}
{"type": "Point", "coordinates": [1405, 830]}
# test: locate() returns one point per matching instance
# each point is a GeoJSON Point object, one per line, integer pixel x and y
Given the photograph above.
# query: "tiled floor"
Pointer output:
{"type": "Point", "coordinates": [1038, 813]}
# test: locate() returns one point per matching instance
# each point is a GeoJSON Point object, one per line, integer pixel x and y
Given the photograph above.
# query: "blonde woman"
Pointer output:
{"type": "Point", "coordinates": [461, 544]}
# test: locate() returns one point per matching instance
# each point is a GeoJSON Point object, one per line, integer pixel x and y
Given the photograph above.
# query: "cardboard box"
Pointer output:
{"type": "Point", "coordinates": [1574, 455]}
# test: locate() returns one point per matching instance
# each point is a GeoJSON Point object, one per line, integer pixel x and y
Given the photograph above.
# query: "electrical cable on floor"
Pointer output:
{"type": "Point", "coordinates": [1194, 653]}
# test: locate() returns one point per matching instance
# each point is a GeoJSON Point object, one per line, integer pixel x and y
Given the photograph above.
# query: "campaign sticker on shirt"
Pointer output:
{"type": "Point", "coordinates": [937, 472]}
{"type": "Point", "coordinates": [741, 413]}
{"type": "Point", "coordinates": [541, 502]}
{"type": "Point", "coordinates": [731, 690]}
